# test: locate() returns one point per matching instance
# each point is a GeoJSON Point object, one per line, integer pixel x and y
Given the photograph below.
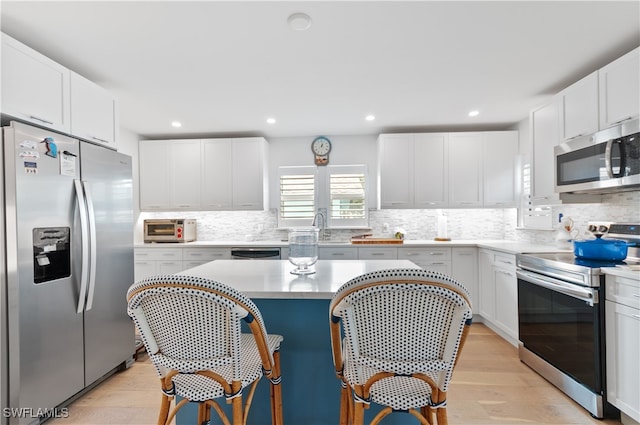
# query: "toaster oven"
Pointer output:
{"type": "Point", "coordinates": [169, 230]}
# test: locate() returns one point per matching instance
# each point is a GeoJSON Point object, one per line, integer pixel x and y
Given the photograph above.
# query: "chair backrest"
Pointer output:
{"type": "Point", "coordinates": [402, 321]}
{"type": "Point", "coordinates": [190, 323]}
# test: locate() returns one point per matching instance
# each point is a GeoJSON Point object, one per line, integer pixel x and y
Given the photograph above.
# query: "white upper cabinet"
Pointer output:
{"type": "Point", "coordinates": [620, 89]}
{"type": "Point", "coordinates": [216, 187]}
{"type": "Point", "coordinates": [579, 108]}
{"type": "Point", "coordinates": [544, 127]}
{"type": "Point", "coordinates": [93, 112]}
{"type": "Point", "coordinates": [185, 169]}
{"type": "Point", "coordinates": [209, 174]}
{"type": "Point", "coordinates": [500, 149]}
{"type": "Point", "coordinates": [413, 170]}
{"type": "Point", "coordinates": [395, 155]}
{"type": "Point", "coordinates": [465, 170]}
{"type": "Point", "coordinates": [431, 166]}
{"type": "Point", "coordinates": [34, 88]}
{"type": "Point", "coordinates": [153, 158]}
{"type": "Point", "coordinates": [169, 175]}
{"type": "Point", "coordinates": [249, 165]}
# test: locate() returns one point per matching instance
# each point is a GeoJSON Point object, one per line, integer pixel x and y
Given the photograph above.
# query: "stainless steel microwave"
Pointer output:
{"type": "Point", "coordinates": [604, 162]}
{"type": "Point", "coordinates": [169, 230]}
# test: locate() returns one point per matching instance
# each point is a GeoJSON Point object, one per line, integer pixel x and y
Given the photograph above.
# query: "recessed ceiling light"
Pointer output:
{"type": "Point", "coordinates": [271, 120]}
{"type": "Point", "coordinates": [176, 124]}
{"type": "Point", "coordinates": [370, 117]}
{"type": "Point", "coordinates": [299, 21]}
{"type": "Point", "coordinates": [474, 113]}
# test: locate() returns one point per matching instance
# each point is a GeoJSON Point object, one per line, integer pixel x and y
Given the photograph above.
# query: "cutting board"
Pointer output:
{"type": "Point", "coordinates": [375, 240]}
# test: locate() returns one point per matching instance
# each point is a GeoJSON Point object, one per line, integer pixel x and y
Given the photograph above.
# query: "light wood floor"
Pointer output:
{"type": "Point", "coordinates": [490, 386]}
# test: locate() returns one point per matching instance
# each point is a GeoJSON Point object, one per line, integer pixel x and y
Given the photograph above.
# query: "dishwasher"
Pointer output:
{"type": "Point", "coordinates": [257, 253]}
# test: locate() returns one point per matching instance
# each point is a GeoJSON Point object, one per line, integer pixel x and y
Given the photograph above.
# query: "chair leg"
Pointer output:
{"type": "Point", "coordinates": [236, 404]}
{"type": "Point", "coordinates": [276, 393]}
{"type": "Point", "coordinates": [441, 414]}
{"type": "Point", "coordinates": [165, 405]}
{"type": "Point", "coordinates": [344, 404]}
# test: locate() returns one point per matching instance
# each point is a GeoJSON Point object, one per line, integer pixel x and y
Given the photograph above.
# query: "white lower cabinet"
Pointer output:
{"type": "Point", "coordinates": [193, 257]}
{"type": "Point", "coordinates": [154, 261]}
{"type": "Point", "coordinates": [622, 315]}
{"type": "Point", "coordinates": [435, 259]}
{"type": "Point", "coordinates": [377, 253]}
{"type": "Point", "coordinates": [337, 253]}
{"type": "Point", "coordinates": [498, 292]}
{"type": "Point", "coordinates": [464, 269]}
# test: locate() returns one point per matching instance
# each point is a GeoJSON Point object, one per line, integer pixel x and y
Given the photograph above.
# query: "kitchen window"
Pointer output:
{"type": "Point", "coordinates": [338, 190]}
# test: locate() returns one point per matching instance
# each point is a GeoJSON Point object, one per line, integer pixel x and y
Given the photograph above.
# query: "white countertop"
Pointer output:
{"type": "Point", "coordinates": [623, 271]}
{"type": "Point", "coordinates": [273, 278]}
{"type": "Point", "coordinates": [510, 247]}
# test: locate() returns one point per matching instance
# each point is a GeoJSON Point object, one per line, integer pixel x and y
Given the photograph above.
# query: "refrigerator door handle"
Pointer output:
{"type": "Point", "coordinates": [84, 233]}
{"type": "Point", "coordinates": [93, 246]}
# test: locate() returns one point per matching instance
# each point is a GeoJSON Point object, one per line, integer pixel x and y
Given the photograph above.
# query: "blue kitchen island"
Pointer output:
{"type": "Point", "coordinates": [296, 307]}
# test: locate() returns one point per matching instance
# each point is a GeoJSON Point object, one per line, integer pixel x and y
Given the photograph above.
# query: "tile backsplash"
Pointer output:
{"type": "Point", "coordinates": [462, 224]}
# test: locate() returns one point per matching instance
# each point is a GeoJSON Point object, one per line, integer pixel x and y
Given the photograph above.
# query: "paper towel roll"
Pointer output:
{"type": "Point", "coordinates": [442, 227]}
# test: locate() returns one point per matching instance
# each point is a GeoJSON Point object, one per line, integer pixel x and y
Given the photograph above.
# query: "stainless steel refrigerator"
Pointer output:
{"type": "Point", "coordinates": [66, 265]}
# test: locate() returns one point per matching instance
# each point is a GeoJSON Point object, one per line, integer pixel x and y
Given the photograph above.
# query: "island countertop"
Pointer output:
{"type": "Point", "coordinates": [273, 278]}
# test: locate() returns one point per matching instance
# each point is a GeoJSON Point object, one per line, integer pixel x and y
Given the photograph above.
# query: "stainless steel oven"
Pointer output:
{"type": "Point", "coordinates": [561, 322]}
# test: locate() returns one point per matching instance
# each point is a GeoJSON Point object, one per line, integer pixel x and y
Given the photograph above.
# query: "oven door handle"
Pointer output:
{"type": "Point", "coordinates": [587, 295]}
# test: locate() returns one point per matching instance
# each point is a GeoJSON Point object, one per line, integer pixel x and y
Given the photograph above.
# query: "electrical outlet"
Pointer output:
{"type": "Point", "coordinates": [385, 227]}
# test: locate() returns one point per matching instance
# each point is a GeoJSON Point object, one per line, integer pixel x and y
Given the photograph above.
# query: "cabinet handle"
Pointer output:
{"type": "Point", "coordinates": [622, 120]}
{"type": "Point", "coordinates": [100, 140]}
{"type": "Point", "coordinates": [576, 136]}
{"type": "Point", "coordinates": [141, 254]}
{"type": "Point", "coordinates": [412, 254]}
{"type": "Point", "coordinates": [337, 254]}
{"type": "Point", "coordinates": [635, 295]}
{"type": "Point", "coordinates": [636, 316]}
{"type": "Point", "coordinates": [436, 253]}
{"type": "Point", "coordinates": [184, 206]}
{"type": "Point", "coordinates": [504, 272]}
{"type": "Point", "coordinates": [377, 253]}
{"type": "Point", "coordinates": [465, 253]}
{"type": "Point", "coordinates": [436, 263]}
{"type": "Point", "coordinates": [246, 205]}
{"type": "Point", "coordinates": [40, 119]}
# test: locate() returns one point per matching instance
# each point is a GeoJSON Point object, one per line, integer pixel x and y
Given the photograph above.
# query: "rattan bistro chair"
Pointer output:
{"type": "Point", "coordinates": [191, 329]}
{"type": "Point", "coordinates": [401, 333]}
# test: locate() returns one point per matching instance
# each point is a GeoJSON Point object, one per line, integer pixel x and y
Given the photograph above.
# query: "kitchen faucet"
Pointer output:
{"type": "Point", "coordinates": [324, 223]}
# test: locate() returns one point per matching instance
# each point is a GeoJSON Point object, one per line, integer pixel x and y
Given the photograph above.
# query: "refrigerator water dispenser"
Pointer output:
{"type": "Point", "coordinates": [51, 253]}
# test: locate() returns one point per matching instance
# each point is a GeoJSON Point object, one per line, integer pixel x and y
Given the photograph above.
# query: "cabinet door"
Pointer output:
{"type": "Point", "coordinates": [185, 174]}
{"type": "Point", "coordinates": [464, 269]}
{"type": "Point", "coordinates": [465, 170]}
{"type": "Point", "coordinates": [620, 89]}
{"type": "Point", "coordinates": [93, 112]}
{"type": "Point", "coordinates": [486, 287]}
{"type": "Point", "coordinates": [249, 178]}
{"type": "Point", "coordinates": [499, 154]}
{"type": "Point", "coordinates": [544, 128]}
{"type": "Point", "coordinates": [155, 181]}
{"type": "Point", "coordinates": [430, 164]}
{"type": "Point", "coordinates": [506, 301]}
{"type": "Point", "coordinates": [169, 267]}
{"type": "Point", "coordinates": [623, 351]}
{"type": "Point", "coordinates": [396, 170]}
{"type": "Point", "coordinates": [34, 88]}
{"type": "Point", "coordinates": [579, 108]}
{"type": "Point", "coordinates": [216, 174]}
{"type": "Point", "coordinates": [143, 269]}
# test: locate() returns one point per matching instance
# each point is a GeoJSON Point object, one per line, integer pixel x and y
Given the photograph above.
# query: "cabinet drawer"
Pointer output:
{"type": "Point", "coordinates": [623, 290]}
{"type": "Point", "coordinates": [157, 254]}
{"type": "Point", "coordinates": [338, 253]}
{"type": "Point", "coordinates": [424, 254]}
{"type": "Point", "coordinates": [206, 254]}
{"type": "Point", "coordinates": [380, 253]}
{"type": "Point", "coordinates": [505, 261]}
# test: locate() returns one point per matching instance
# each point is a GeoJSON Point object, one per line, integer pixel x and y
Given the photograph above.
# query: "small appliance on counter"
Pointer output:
{"type": "Point", "coordinates": [170, 230]}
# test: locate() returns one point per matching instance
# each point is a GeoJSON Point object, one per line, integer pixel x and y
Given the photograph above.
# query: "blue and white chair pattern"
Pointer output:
{"type": "Point", "coordinates": [396, 335]}
{"type": "Point", "coordinates": [191, 329]}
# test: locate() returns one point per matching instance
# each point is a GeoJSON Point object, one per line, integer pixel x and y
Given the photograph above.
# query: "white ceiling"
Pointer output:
{"type": "Point", "coordinates": [223, 68]}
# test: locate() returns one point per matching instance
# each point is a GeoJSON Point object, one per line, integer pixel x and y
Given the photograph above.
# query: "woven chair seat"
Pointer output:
{"type": "Point", "coordinates": [200, 388]}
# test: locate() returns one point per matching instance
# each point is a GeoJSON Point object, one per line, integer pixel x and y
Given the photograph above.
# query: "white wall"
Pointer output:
{"type": "Point", "coordinates": [345, 150]}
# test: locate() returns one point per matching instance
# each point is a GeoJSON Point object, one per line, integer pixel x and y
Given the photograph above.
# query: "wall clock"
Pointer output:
{"type": "Point", "coordinates": [321, 146]}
